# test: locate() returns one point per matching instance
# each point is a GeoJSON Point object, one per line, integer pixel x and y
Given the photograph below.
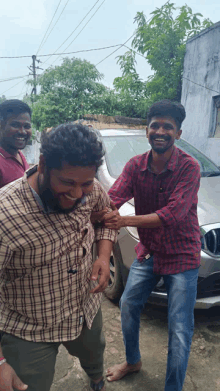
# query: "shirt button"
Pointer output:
{"type": "Point", "coordinates": [80, 320]}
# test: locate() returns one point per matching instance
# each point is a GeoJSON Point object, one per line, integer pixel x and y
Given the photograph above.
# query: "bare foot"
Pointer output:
{"type": "Point", "coordinates": [120, 370]}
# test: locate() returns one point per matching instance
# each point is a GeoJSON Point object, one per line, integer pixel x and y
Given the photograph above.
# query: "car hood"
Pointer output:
{"type": "Point", "coordinates": [209, 201]}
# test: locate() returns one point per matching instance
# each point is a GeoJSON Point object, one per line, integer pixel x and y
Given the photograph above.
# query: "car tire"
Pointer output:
{"type": "Point", "coordinates": [116, 287]}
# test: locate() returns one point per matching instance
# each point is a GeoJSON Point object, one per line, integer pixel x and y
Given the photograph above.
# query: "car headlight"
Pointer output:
{"type": "Point", "coordinates": [210, 239]}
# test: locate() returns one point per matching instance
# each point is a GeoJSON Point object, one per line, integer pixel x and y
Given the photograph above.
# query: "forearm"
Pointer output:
{"type": "Point", "coordinates": [104, 249]}
{"type": "Point", "coordinates": [151, 220]}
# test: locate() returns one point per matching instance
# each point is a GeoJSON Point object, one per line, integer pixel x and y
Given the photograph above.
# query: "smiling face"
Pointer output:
{"type": "Point", "coordinates": [15, 132]}
{"type": "Point", "coordinates": [61, 189]}
{"type": "Point", "coordinates": [162, 133]}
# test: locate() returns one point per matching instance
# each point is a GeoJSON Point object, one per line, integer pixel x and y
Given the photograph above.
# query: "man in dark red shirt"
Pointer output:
{"type": "Point", "coordinates": [15, 131]}
{"type": "Point", "coordinates": [164, 183]}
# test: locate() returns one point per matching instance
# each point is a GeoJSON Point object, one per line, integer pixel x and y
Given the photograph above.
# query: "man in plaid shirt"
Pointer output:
{"type": "Point", "coordinates": [50, 287]}
{"type": "Point", "coordinates": [164, 183]}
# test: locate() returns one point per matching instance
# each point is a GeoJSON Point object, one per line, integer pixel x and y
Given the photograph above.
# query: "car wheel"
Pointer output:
{"type": "Point", "coordinates": [115, 287]}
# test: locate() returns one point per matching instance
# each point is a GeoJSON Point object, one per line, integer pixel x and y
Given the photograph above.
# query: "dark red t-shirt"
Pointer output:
{"type": "Point", "coordinates": [10, 168]}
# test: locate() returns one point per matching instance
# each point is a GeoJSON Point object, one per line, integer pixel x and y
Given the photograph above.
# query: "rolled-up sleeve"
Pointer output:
{"type": "Point", "coordinates": [122, 190]}
{"type": "Point", "coordinates": [102, 233]}
{"type": "Point", "coordinates": [183, 197]}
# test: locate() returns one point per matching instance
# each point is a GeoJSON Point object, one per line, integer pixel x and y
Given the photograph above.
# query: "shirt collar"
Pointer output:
{"type": "Point", "coordinates": [171, 164]}
{"type": "Point", "coordinates": [6, 154]}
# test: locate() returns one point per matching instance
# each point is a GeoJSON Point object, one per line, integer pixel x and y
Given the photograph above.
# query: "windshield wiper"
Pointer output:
{"type": "Point", "coordinates": [213, 173]}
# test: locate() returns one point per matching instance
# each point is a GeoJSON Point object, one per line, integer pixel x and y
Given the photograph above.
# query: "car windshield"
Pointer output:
{"type": "Point", "coordinates": [119, 149]}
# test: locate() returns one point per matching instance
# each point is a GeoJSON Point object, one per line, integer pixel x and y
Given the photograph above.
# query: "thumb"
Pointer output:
{"type": "Point", "coordinates": [113, 206]}
{"type": "Point", "coordinates": [18, 384]}
{"type": "Point", "coordinates": [95, 272]}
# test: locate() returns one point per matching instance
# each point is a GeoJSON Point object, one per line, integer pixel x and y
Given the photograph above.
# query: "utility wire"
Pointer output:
{"type": "Point", "coordinates": [60, 54]}
{"type": "Point", "coordinates": [74, 29]}
{"type": "Point", "coordinates": [48, 27]}
{"type": "Point", "coordinates": [123, 44]}
{"type": "Point", "coordinates": [13, 86]}
{"type": "Point", "coordinates": [13, 78]}
{"type": "Point", "coordinates": [82, 29]}
{"type": "Point", "coordinates": [54, 25]}
{"type": "Point", "coordinates": [207, 88]}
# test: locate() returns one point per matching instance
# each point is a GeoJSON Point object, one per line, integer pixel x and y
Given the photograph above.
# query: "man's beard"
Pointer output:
{"type": "Point", "coordinates": [158, 149]}
{"type": "Point", "coordinates": [49, 199]}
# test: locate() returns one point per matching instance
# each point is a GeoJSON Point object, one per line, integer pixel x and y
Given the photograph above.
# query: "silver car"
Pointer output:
{"type": "Point", "coordinates": [121, 145]}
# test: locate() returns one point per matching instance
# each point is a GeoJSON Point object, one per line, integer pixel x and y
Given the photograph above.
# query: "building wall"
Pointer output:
{"type": "Point", "coordinates": [202, 66]}
{"type": "Point", "coordinates": [32, 152]}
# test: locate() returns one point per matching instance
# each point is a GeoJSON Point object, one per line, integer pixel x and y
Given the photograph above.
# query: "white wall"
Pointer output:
{"type": "Point", "coordinates": [32, 152]}
{"type": "Point", "coordinates": [202, 66]}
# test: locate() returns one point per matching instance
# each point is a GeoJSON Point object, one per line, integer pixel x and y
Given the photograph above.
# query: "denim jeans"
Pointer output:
{"type": "Point", "coordinates": [181, 290]}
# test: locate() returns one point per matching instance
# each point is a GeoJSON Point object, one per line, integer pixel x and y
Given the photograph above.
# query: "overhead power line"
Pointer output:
{"type": "Point", "coordinates": [53, 26]}
{"type": "Point", "coordinates": [83, 27]}
{"type": "Point", "coordinates": [49, 26]}
{"type": "Point", "coordinates": [60, 54]}
{"type": "Point", "coordinates": [13, 86]}
{"type": "Point", "coordinates": [75, 28]}
{"type": "Point", "coordinates": [207, 88]}
{"type": "Point", "coordinates": [13, 78]}
{"type": "Point", "coordinates": [123, 44]}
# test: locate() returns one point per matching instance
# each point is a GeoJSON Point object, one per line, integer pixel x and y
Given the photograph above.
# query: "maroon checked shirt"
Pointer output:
{"type": "Point", "coordinates": [173, 196]}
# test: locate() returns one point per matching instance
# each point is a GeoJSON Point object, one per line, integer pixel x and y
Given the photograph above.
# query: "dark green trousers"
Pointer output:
{"type": "Point", "coordinates": [34, 362]}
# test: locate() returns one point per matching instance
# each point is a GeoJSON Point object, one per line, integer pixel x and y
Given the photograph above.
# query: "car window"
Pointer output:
{"type": "Point", "coordinates": [120, 149]}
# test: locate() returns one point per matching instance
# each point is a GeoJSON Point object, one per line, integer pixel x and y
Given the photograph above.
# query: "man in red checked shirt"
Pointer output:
{"type": "Point", "coordinates": [164, 183]}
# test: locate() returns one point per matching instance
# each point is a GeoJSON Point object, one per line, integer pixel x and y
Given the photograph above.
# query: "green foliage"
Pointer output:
{"type": "Point", "coordinates": [2, 98]}
{"type": "Point", "coordinates": [69, 91]}
{"type": "Point", "coordinates": [163, 42]}
{"type": "Point", "coordinates": [130, 88]}
{"type": "Point", "coordinates": [73, 89]}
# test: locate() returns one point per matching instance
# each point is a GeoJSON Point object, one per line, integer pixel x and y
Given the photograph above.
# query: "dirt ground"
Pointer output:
{"type": "Point", "coordinates": [203, 372]}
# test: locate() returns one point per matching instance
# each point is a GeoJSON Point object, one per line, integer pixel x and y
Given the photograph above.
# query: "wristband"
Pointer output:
{"type": "Point", "coordinates": [2, 361]}
{"type": "Point", "coordinates": [2, 358]}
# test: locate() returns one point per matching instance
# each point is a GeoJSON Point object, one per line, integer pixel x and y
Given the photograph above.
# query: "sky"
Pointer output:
{"type": "Point", "coordinates": [24, 23]}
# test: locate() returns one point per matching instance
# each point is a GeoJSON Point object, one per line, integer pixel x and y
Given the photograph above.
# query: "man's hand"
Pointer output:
{"type": "Point", "coordinates": [9, 380]}
{"type": "Point", "coordinates": [97, 217]}
{"type": "Point", "coordinates": [113, 220]}
{"type": "Point", "coordinates": [100, 269]}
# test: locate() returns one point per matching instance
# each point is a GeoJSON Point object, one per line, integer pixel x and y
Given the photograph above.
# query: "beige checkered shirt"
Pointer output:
{"type": "Point", "coordinates": [40, 300]}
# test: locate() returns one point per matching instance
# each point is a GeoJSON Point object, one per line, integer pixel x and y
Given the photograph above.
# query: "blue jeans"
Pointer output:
{"type": "Point", "coordinates": [181, 290]}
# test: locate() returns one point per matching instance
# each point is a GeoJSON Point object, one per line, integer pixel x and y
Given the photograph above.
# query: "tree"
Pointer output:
{"type": "Point", "coordinates": [163, 42]}
{"type": "Point", "coordinates": [2, 98]}
{"type": "Point", "coordinates": [69, 91]}
{"type": "Point", "coordinates": [130, 88]}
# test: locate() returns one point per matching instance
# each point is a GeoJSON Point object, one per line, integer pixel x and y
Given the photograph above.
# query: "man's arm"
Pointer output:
{"type": "Point", "coordinates": [101, 266]}
{"type": "Point", "coordinates": [176, 210]}
{"type": "Point", "coordinates": [8, 378]}
{"type": "Point", "coordinates": [122, 189]}
{"type": "Point", "coordinates": [104, 238]}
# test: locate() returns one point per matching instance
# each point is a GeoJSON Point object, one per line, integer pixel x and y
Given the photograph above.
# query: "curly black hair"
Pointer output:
{"type": "Point", "coordinates": [74, 144]}
{"type": "Point", "coordinates": [167, 108]}
{"type": "Point", "coordinates": [13, 107]}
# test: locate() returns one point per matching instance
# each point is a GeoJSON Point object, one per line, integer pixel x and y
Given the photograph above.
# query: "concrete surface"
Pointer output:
{"type": "Point", "coordinates": [203, 370]}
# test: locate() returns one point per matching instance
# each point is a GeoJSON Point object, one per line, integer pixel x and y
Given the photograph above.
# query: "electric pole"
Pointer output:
{"type": "Point", "coordinates": [34, 75]}
{"type": "Point", "coordinates": [33, 69]}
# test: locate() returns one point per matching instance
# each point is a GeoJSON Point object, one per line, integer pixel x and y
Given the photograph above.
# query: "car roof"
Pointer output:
{"type": "Point", "coordinates": [122, 132]}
